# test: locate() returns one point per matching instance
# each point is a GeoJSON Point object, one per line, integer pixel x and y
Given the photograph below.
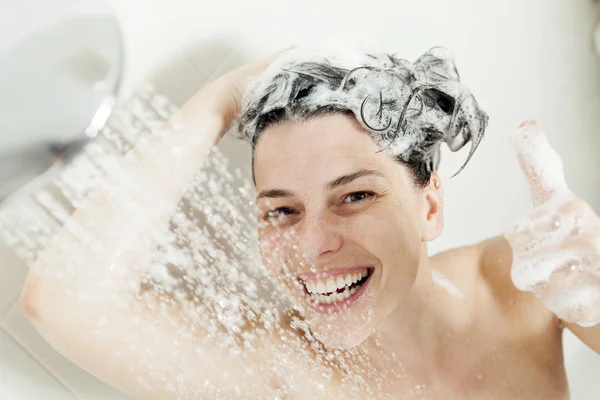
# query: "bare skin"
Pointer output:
{"type": "Point", "coordinates": [492, 342]}
{"type": "Point", "coordinates": [511, 346]}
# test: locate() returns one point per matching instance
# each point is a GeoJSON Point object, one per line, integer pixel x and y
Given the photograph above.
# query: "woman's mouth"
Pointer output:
{"type": "Point", "coordinates": [337, 290]}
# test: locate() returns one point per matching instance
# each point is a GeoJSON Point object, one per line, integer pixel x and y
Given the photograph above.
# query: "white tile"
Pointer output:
{"type": "Point", "coordinates": [207, 55]}
{"type": "Point", "coordinates": [23, 378]}
{"type": "Point", "coordinates": [147, 36]}
{"type": "Point", "coordinates": [155, 31]}
{"type": "Point", "coordinates": [82, 384]}
{"type": "Point", "coordinates": [177, 78]}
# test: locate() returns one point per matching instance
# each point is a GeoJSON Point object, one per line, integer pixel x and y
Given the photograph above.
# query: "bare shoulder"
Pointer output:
{"type": "Point", "coordinates": [495, 265]}
{"type": "Point", "coordinates": [484, 269]}
{"type": "Point", "coordinates": [460, 265]}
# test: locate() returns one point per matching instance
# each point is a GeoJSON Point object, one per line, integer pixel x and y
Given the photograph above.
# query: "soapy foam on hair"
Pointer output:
{"type": "Point", "coordinates": [409, 109]}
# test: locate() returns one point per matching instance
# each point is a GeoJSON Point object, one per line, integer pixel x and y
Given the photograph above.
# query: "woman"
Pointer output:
{"type": "Point", "coordinates": [345, 149]}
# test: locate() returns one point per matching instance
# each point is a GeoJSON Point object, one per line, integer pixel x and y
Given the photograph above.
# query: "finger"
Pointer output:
{"type": "Point", "coordinates": [527, 229]}
{"type": "Point", "coordinates": [540, 163]}
{"type": "Point", "coordinates": [556, 226]}
{"type": "Point", "coordinates": [531, 271]}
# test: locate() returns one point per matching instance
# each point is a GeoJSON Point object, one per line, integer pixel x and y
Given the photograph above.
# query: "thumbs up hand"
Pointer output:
{"type": "Point", "coordinates": [556, 247]}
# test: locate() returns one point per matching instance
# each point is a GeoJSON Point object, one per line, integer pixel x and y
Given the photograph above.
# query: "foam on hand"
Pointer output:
{"type": "Point", "coordinates": [541, 164]}
{"type": "Point", "coordinates": [555, 247]}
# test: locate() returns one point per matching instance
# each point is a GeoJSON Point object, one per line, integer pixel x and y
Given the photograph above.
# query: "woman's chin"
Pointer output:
{"type": "Point", "coordinates": [337, 336]}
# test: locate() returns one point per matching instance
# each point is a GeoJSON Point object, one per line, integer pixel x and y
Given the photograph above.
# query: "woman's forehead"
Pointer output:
{"type": "Point", "coordinates": [325, 137]}
{"type": "Point", "coordinates": [316, 152]}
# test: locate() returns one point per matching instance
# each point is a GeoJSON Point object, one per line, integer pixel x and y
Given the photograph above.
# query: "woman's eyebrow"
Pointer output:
{"type": "Point", "coordinates": [340, 181]}
{"type": "Point", "coordinates": [273, 194]}
{"type": "Point", "coordinates": [346, 179]}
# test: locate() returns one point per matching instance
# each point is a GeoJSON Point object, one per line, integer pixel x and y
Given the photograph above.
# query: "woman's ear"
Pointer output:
{"type": "Point", "coordinates": [433, 208]}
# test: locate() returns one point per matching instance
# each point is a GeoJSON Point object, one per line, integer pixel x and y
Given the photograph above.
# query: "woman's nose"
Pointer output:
{"type": "Point", "coordinates": [319, 237]}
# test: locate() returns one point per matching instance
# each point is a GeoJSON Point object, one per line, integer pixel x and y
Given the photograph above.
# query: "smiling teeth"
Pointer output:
{"type": "Point", "coordinates": [334, 297]}
{"type": "Point", "coordinates": [325, 291]}
{"type": "Point", "coordinates": [333, 284]}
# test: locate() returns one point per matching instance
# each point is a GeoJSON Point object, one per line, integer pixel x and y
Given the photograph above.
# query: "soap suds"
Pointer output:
{"type": "Point", "coordinates": [540, 162]}
{"type": "Point", "coordinates": [555, 247]}
{"type": "Point", "coordinates": [409, 109]}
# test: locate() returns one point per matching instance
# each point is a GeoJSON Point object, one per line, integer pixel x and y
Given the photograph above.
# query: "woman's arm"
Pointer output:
{"type": "Point", "coordinates": [83, 293]}
{"type": "Point", "coordinates": [589, 336]}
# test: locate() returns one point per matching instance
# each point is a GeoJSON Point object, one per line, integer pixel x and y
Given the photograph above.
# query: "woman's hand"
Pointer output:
{"type": "Point", "coordinates": [556, 247]}
{"type": "Point", "coordinates": [229, 88]}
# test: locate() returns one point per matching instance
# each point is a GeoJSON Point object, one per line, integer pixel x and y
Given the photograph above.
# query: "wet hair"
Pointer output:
{"type": "Point", "coordinates": [409, 109]}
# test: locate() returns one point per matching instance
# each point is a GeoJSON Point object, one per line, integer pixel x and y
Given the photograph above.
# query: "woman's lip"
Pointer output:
{"type": "Point", "coordinates": [340, 305]}
{"type": "Point", "coordinates": [331, 273]}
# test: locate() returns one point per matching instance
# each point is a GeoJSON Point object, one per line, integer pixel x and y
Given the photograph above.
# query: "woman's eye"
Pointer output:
{"type": "Point", "coordinates": [278, 213]}
{"type": "Point", "coordinates": [357, 196]}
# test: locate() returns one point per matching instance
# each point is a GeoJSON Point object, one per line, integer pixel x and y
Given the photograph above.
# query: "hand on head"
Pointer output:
{"type": "Point", "coordinates": [228, 89]}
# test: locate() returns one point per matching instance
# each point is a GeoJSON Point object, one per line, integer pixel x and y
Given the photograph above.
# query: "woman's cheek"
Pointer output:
{"type": "Point", "coordinates": [276, 245]}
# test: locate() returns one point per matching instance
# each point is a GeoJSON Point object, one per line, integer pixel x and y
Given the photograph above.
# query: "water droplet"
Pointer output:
{"type": "Point", "coordinates": [207, 252]}
{"type": "Point", "coordinates": [573, 267]}
{"type": "Point", "coordinates": [556, 222]}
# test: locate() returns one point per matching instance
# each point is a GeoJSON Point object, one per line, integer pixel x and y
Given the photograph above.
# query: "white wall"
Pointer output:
{"type": "Point", "coordinates": [522, 60]}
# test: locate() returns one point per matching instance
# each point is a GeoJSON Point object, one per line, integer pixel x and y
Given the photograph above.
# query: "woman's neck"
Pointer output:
{"type": "Point", "coordinates": [426, 328]}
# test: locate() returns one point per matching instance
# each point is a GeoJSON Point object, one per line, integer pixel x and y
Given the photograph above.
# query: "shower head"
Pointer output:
{"type": "Point", "coordinates": [60, 67]}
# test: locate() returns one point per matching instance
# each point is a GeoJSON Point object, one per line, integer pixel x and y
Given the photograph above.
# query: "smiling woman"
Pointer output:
{"type": "Point", "coordinates": [345, 151]}
{"type": "Point", "coordinates": [318, 125]}
{"type": "Point", "coordinates": [348, 207]}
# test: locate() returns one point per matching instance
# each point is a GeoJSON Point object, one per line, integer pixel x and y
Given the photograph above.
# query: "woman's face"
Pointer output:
{"type": "Point", "coordinates": [342, 226]}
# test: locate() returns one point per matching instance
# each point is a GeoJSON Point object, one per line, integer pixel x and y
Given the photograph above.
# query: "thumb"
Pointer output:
{"type": "Point", "coordinates": [540, 163]}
